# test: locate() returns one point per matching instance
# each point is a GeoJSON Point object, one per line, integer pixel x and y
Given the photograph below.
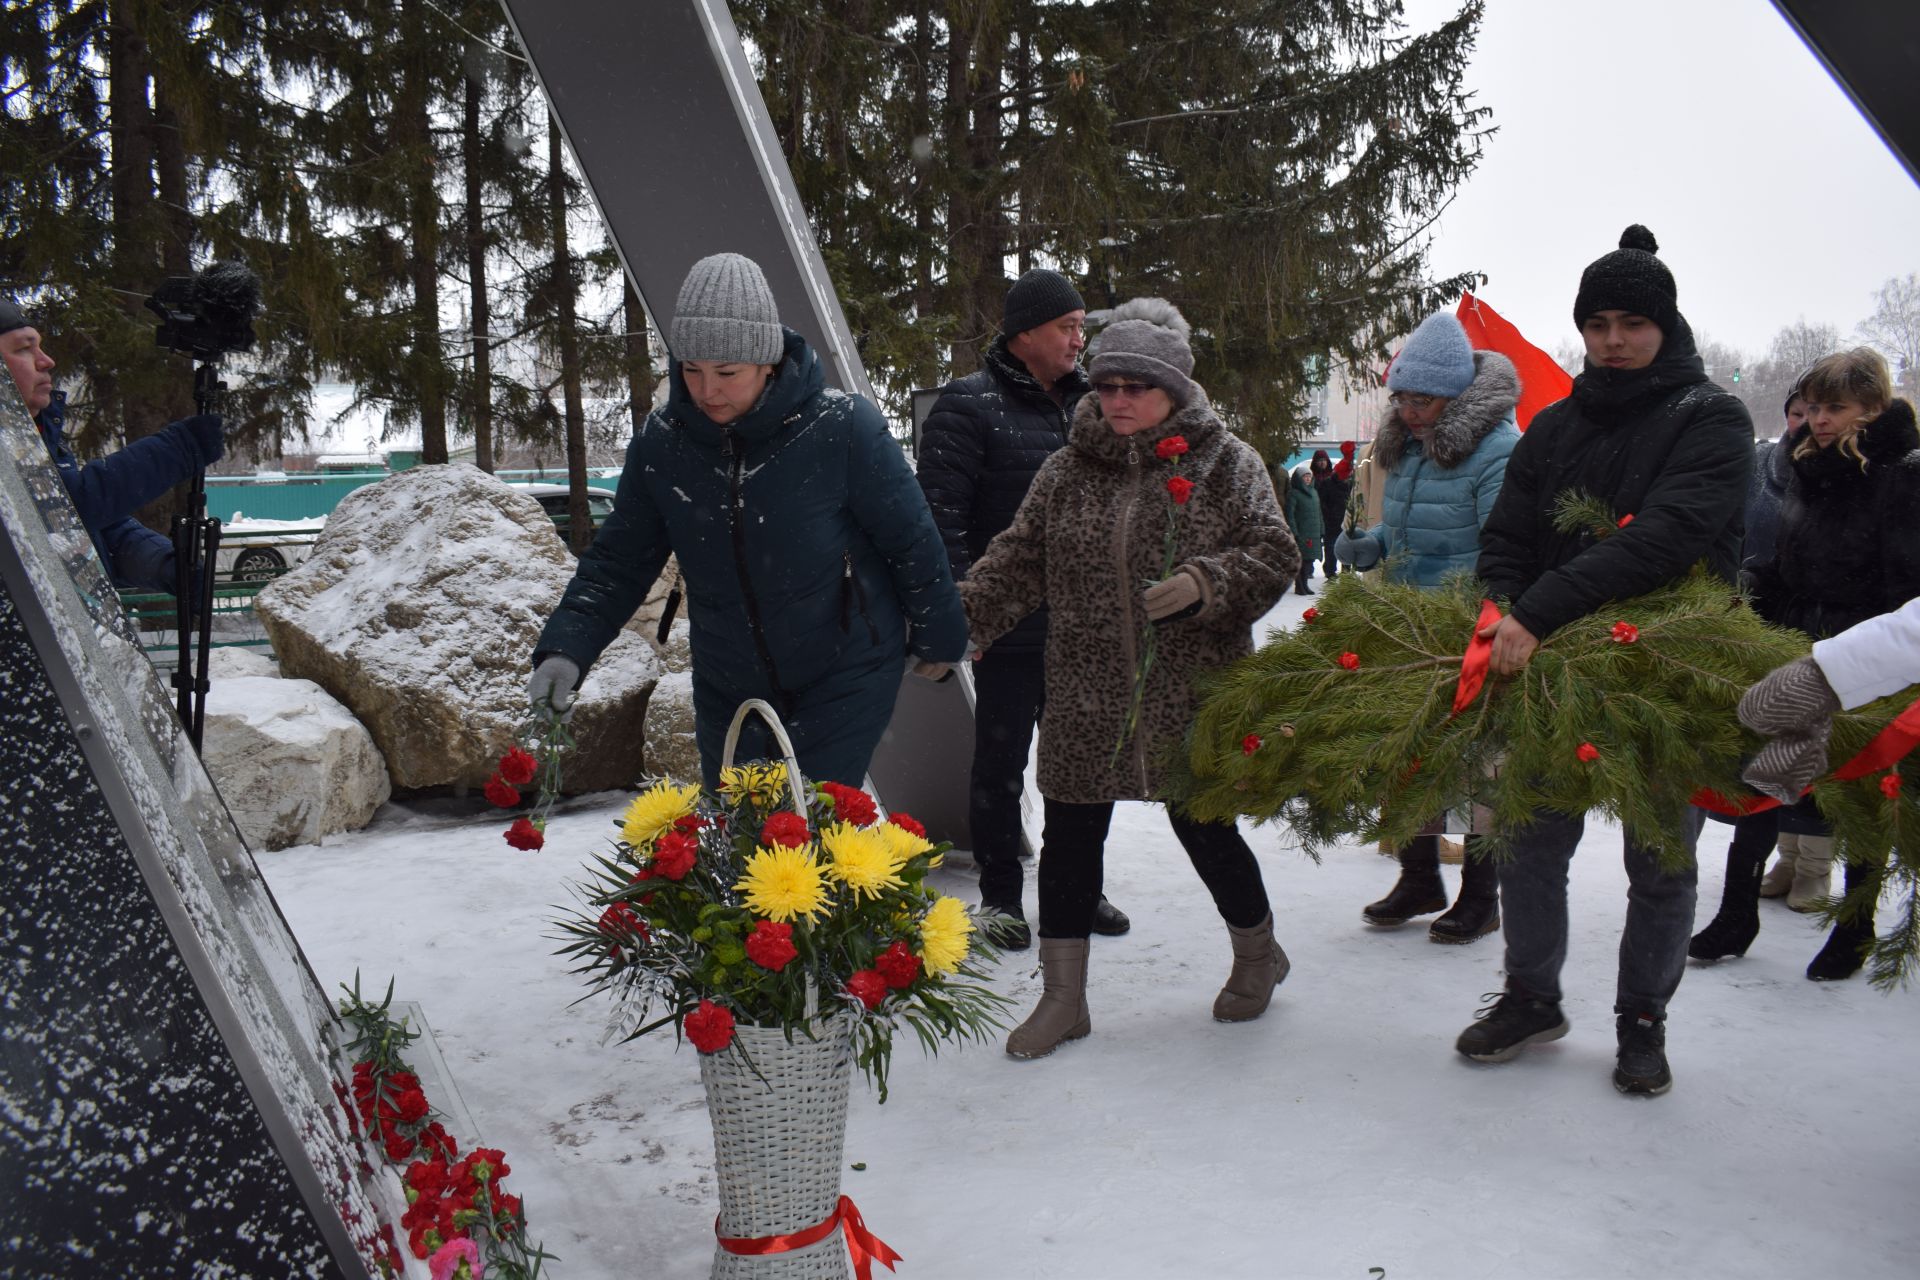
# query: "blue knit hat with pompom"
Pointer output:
{"type": "Point", "coordinates": [1437, 360]}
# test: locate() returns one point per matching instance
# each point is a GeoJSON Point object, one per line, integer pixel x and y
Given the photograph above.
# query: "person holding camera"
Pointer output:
{"type": "Point", "coordinates": [107, 491]}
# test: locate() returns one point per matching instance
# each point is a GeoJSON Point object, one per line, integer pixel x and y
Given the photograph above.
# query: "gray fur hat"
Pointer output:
{"type": "Point", "coordinates": [1146, 338]}
{"type": "Point", "coordinates": [726, 312]}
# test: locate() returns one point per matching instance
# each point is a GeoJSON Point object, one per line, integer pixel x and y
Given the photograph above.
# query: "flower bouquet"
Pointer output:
{"type": "Point", "coordinates": [788, 931]}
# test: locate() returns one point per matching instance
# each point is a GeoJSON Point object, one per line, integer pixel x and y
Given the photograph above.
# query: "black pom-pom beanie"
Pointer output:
{"type": "Point", "coordinates": [1629, 279]}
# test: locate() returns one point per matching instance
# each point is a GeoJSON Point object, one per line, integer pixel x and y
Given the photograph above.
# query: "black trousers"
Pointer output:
{"type": "Point", "coordinates": [1072, 866]}
{"type": "Point", "coordinates": [1008, 691]}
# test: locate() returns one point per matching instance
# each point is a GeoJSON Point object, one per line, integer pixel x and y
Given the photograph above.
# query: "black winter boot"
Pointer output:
{"type": "Point", "coordinates": [1737, 924]}
{"type": "Point", "coordinates": [1512, 1022]}
{"type": "Point", "coordinates": [1846, 949]}
{"type": "Point", "coordinates": [1476, 912]}
{"type": "Point", "coordinates": [1641, 1067]}
{"type": "Point", "coordinates": [1417, 892]}
{"type": "Point", "coordinates": [1109, 921]}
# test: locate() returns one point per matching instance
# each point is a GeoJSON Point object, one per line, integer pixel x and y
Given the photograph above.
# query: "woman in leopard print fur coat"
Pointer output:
{"type": "Point", "coordinates": [1089, 543]}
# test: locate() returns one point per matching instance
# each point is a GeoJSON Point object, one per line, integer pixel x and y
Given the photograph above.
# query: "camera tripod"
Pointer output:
{"type": "Point", "coordinates": [196, 546]}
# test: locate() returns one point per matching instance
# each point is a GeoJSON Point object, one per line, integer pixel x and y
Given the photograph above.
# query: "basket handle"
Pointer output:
{"type": "Point", "coordinates": [796, 781]}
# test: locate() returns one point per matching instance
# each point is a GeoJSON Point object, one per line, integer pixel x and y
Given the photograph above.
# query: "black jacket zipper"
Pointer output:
{"type": "Point", "coordinates": [736, 518]}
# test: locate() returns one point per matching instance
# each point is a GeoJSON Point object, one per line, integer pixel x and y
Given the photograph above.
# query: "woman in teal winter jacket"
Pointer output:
{"type": "Point", "coordinates": [1444, 447]}
{"type": "Point", "coordinates": [1302, 507]}
{"type": "Point", "coordinates": [812, 566]}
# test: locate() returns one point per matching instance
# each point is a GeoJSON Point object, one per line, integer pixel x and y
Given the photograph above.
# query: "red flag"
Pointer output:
{"type": "Point", "coordinates": [1542, 380]}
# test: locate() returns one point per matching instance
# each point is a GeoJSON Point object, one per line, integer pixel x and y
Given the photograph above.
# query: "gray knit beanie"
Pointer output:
{"type": "Point", "coordinates": [726, 312]}
{"type": "Point", "coordinates": [1146, 338]}
{"type": "Point", "coordinates": [1436, 361]}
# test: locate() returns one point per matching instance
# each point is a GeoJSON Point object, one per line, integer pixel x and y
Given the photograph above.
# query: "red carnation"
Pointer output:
{"type": "Point", "coordinates": [1179, 488]}
{"type": "Point", "coordinates": [909, 824]}
{"type": "Point", "coordinates": [1171, 447]}
{"type": "Point", "coordinates": [1250, 744]}
{"type": "Point", "coordinates": [709, 1027]}
{"type": "Point", "coordinates": [525, 834]}
{"type": "Point", "coordinates": [850, 804]}
{"type": "Point", "coordinates": [1624, 521]}
{"type": "Point", "coordinates": [673, 855]}
{"type": "Point", "coordinates": [869, 986]}
{"type": "Point", "coordinates": [1625, 633]}
{"type": "Point", "coordinates": [1343, 470]}
{"type": "Point", "coordinates": [618, 922]}
{"type": "Point", "coordinates": [1890, 785]}
{"type": "Point", "coordinates": [785, 828]}
{"type": "Point", "coordinates": [412, 1105]}
{"type": "Point", "coordinates": [518, 767]}
{"type": "Point", "coordinates": [1351, 661]}
{"type": "Point", "coordinates": [770, 945]}
{"type": "Point", "coordinates": [1346, 448]}
{"type": "Point", "coordinates": [898, 966]}
{"type": "Point", "coordinates": [399, 1148]}
{"type": "Point", "coordinates": [689, 824]}
{"type": "Point", "coordinates": [500, 793]}
{"type": "Point", "coordinates": [1310, 615]}
{"type": "Point", "coordinates": [1587, 752]}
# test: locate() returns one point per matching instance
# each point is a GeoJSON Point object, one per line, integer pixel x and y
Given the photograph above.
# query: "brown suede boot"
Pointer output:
{"type": "Point", "coordinates": [1259, 965]}
{"type": "Point", "coordinates": [1061, 1014]}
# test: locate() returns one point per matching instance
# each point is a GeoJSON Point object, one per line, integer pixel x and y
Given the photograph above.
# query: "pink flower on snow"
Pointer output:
{"type": "Point", "coordinates": [447, 1258]}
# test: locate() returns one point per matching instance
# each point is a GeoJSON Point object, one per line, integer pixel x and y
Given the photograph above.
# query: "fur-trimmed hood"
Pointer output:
{"type": "Point", "coordinates": [1466, 420]}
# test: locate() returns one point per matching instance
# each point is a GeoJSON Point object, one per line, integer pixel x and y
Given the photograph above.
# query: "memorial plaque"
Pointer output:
{"type": "Point", "coordinates": [167, 1104]}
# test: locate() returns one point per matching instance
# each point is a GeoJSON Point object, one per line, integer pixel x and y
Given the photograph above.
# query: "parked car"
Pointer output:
{"type": "Point", "coordinates": [553, 500]}
{"type": "Point", "coordinates": [261, 550]}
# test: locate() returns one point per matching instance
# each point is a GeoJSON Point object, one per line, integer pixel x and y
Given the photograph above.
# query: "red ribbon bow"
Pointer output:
{"type": "Point", "coordinates": [862, 1245]}
{"type": "Point", "coordinates": [1473, 667]}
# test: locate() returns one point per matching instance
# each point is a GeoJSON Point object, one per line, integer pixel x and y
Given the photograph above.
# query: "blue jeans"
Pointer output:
{"type": "Point", "coordinates": [1533, 914]}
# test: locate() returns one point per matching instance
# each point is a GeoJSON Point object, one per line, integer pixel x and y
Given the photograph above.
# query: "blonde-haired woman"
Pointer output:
{"type": "Point", "coordinates": [1848, 549]}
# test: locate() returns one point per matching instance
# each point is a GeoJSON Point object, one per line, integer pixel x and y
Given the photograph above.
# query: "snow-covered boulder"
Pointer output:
{"type": "Point", "coordinates": [419, 609]}
{"type": "Point", "coordinates": [292, 764]}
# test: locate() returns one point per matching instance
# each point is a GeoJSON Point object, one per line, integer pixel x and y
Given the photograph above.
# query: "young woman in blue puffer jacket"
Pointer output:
{"type": "Point", "coordinates": [1444, 448]}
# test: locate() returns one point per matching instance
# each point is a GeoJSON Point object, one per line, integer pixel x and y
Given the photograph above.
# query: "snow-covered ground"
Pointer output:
{"type": "Point", "coordinates": [1338, 1136]}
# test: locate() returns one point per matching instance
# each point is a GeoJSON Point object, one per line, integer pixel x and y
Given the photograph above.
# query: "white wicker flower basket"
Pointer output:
{"type": "Point", "coordinates": [779, 1112]}
{"type": "Point", "coordinates": [778, 1143]}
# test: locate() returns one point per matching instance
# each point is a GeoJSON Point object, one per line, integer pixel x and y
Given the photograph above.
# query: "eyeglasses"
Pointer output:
{"type": "Point", "coordinates": [1122, 390]}
{"type": "Point", "coordinates": [1400, 398]}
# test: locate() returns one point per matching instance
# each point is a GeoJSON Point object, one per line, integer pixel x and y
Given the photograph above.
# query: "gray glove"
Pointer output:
{"type": "Point", "coordinates": [1794, 705]}
{"type": "Point", "coordinates": [553, 688]}
{"type": "Point", "coordinates": [1172, 597]}
{"type": "Point", "coordinates": [1361, 550]}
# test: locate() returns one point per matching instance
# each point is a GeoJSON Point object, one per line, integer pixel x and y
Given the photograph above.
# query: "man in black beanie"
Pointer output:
{"type": "Point", "coordinates": [1670, 453]}
{"type": "Point", "coordinates": [980, 447]}
{"type": "Point", "coordinates": [108, 491]}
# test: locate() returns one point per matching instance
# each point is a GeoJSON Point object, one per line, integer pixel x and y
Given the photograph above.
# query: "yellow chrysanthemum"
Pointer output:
{"type": "Point", "coordinates": [783, 883]}
{"type": "Point", "coordinates": [901, 843]}
{"type": "Point", "coordinates": [654, 811]}
{"type": "Point", "coordinates": [760, 784]}
{"type": "Point", "coordinates": [943, 935]}
{"type": "Point", "coordinates": [861, 859]}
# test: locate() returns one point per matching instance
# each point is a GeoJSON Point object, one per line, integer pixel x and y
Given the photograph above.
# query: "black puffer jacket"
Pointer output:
{"type": "Point", "coordinates": [980, 448]}
{"type": "Point", "coordinates": [1849, 542]}
{"type": "Point", "coordinates": [1660, 444]}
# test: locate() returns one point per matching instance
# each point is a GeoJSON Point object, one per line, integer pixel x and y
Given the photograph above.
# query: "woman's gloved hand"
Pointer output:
{"type": "Point", "coordinates": [1361, 550]}
{"type": "Point", "coordinates": [552, 690]}
{"type": "Point", "coordinates": [1172, 597]}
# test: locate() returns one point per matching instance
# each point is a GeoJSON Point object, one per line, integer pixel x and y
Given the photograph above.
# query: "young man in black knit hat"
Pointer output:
{"type": "Point", "coordinates": [1671, 453]}
{"type": "Point", "coordinates": [980, 447]}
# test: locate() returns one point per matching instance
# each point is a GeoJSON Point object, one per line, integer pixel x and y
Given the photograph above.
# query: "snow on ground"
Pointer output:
{"type": "Point", "coordinates": [1335, 1137]}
